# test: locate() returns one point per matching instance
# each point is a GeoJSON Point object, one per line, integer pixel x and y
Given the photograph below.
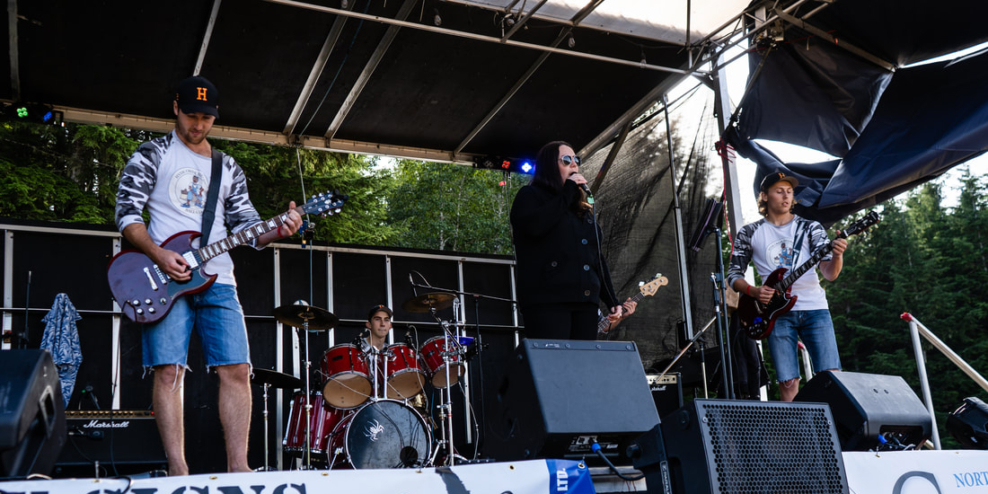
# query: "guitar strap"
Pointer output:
{"type": "Point", "coordinates": [798, 239]}
{"type": "Point", "coordinates": [209, 212]}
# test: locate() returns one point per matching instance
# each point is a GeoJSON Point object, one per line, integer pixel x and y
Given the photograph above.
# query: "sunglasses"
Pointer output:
{"type": "Point", "coordinates": [568, 160]}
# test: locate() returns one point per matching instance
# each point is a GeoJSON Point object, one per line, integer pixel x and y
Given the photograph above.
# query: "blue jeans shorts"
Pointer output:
{"type": "Point", "coordinates": [219, 321]}
{"type": "Point", "coordinates": [816, 330]}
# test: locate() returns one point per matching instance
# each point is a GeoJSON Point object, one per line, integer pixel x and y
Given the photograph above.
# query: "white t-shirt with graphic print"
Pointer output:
{"type": "Point", "coordinates": [772, 248]}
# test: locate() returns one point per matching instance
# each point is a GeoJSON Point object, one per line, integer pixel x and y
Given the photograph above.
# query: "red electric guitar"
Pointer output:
{"type": "Point", "coordinates": [146, 294]}
{"type": "Point", "coordinates": [758, 319]}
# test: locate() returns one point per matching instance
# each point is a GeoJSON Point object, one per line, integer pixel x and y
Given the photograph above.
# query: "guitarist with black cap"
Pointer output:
{"type": "Point", "coordinates": [170, 177]}
{"type": "Point", "coordinates": [780, 240]}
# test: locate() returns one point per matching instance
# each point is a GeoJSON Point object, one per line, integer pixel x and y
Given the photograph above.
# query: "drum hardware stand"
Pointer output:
{"type": "Point", "coordinates": [479, 343]}
{"type": "Point", "coordinates": [267, 431]}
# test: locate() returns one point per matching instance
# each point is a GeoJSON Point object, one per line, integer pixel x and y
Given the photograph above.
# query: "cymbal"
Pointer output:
{"type": "Point", "coordinates": [422, 303]}
{"type": "Point", "coordinates": [296, 315]}
{"type": "Point", "coordinates": [275, 378]}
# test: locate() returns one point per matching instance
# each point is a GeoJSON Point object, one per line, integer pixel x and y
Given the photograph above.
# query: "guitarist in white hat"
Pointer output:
{"type": "Point", "coordinates": [160, 177]}
{"type": "Point", "coordinates": [780, 240]}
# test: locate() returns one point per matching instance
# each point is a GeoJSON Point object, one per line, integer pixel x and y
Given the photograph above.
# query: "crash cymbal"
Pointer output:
{"type": "Point", "coordinates": [434, 300]}
{"type": "Point", "coordinates": [275, 379]}
{"type": "Point", "coordinates": [295, 315]}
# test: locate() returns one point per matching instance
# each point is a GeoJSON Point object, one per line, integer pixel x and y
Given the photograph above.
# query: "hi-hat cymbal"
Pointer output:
{"type": "Point", "coordinates": [296, 315]}
{"type": "Point", "coordinates": [434, 300]}
{"type": "Point", "coordinates": [275, 378]}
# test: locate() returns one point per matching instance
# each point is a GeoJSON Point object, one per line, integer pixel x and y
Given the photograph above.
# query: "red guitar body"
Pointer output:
{"type": "Point", "coordinates": [758, 319]}
{"type": "Point", "coordinates": [144, 293]}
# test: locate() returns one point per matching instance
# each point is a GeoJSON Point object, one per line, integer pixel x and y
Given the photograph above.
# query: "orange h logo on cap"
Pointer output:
{"type": "Point", "coordinates": [202, 94]}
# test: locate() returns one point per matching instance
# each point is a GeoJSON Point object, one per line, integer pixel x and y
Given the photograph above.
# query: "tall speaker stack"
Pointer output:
{"type": "Point", "coordinates": [732, 446]}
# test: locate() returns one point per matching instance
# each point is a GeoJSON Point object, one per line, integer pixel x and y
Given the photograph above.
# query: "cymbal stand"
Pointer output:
{"type": "Point", "coordinates": [308, 398]}
{"type": "Point", "coordinates": [450, 347]}
{"type": "Point", "coordinates": [267, 431]}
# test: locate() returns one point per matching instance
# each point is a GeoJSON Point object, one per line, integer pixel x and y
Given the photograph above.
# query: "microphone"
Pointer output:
{"type": "Point", "coordinates": [586, 190]}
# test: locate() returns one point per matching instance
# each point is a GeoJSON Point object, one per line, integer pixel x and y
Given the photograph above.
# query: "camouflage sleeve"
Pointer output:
{"type": "Point", "coordinates": [240, 212]}
{"type": "Point", "coordinates": [741, 255]}
{"type": "Point", "coordinates": [818, 239]}
{"type": "Point", "coordinates": [136, 183]}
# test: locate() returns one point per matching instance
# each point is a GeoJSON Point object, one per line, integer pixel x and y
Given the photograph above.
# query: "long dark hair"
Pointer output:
{"type": "Point", "coordinates": [547, 173]}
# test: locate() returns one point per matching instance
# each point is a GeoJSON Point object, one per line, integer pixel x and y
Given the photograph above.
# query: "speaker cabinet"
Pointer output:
{"type": "Point", "coordinates": [868, 405]}
{"type": "Point", "coordinates": [32, 418]}
{"type": "Point", "coordinates": [732, 446]}
{"type": "Point", "coordinates": [558, 397]}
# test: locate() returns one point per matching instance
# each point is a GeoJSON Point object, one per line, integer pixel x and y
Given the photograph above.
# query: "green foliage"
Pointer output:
{"type": "Point", "coordinates": [929, 261]}
{"type": "Point", "coordinates": [61, 173]}
{"type": "Point", "coordinates": [452, 207]}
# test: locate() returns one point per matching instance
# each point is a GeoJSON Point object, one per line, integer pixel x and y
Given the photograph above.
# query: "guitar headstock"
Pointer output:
{"type": "Point", "coordinates": [327, 203]}
{"type": "Point", "coordinates": [649, 289]}
{"type": "Point", "coordinates": [861, 225]}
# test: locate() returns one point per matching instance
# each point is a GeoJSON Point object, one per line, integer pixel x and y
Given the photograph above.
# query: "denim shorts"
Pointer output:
{"type": "Point", "coordinates": [816, 330]}
{"type": "Point", "coordinates": [219, 321]}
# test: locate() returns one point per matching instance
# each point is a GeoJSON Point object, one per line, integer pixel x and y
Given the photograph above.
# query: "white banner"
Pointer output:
{"type": "Point", "coordinates": [917, 472]}
{"type": "Point", "coordinates": [525, 477]}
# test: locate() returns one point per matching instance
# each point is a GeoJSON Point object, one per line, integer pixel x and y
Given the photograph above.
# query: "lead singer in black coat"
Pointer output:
{"type": "Point", "coordinates": [561, 275]}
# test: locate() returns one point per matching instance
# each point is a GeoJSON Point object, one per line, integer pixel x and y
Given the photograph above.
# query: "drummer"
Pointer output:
{"type": "Point", "coordinates": [379, 325]}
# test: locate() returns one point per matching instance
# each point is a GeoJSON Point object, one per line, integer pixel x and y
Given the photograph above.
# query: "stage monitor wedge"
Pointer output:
{"type": "Point", "coordinates": [868, 405]}
{"type": "Point", "coordinates": [32, 415]}
{"type": "Point", "coordinates": [559, 396]}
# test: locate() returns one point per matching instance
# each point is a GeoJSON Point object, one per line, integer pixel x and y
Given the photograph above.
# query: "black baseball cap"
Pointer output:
{"type": "Point", "coordinates": [774, 178]}
{"type": "Point", "coordinates": [379, 308]}
{"type": "Point", "coordinates": [197, 94]}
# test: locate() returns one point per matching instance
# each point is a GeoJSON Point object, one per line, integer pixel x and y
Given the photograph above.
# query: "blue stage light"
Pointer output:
{"type": "Point", "coordinates": [527, 167]}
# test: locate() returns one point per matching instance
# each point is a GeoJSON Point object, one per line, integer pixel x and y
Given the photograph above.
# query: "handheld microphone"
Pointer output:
{"type": "Point", "coordinates": [586, 190]}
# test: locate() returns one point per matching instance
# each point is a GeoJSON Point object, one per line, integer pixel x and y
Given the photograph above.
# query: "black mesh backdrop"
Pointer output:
{"type": "Point", "coordinates": [636, 211]}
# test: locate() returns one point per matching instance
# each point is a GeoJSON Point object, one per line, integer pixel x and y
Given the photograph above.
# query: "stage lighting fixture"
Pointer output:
{"type": "Point", "coordinates": [505, 164]}
{"type": "Point", "coordinates": [571, 42]}
{"type": "Point", "coordinates": [344, 4]}
{"type": "Point", "coordinates": [436, 19]}
{"type": "Point", "coordinates": [33, 112]}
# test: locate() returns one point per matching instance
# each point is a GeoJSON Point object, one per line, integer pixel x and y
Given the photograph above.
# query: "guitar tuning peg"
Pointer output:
{"type": "Point", "coordinates": [641, 283]}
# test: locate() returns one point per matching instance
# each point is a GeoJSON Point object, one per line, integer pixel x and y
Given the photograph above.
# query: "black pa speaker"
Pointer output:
{"type": "Point", "coordinates": [558, 397]}
{"type": "Point", "coordinates": [32, 414]}
{"type": "Point", "coordinates": [969, 424]}
{"type": "Point", "coordinates": [732, 446]}
{"type": "Point", "coordinates": [868, 405]}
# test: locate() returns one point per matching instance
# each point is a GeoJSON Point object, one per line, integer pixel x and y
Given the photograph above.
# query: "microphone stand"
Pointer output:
{"type": "Point", "coordinates": [723, 331]}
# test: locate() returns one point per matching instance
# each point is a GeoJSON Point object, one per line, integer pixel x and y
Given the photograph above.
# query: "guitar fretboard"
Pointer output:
{"type": "Point", "coordinates": [605, 322]}
{"type": "Point", "coordinates": [242, 237]}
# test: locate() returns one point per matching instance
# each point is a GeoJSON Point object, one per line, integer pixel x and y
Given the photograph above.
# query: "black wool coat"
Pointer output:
{"type": "Point", "coordinates": [556, 250]}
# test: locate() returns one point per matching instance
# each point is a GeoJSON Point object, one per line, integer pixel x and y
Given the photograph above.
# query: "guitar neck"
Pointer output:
{"type": "Point", "coordinates": [244, 236]}
{"type": "Point", "coordinates": [806, 266]}
{"type": "Point", "coordinates": [605, 322]}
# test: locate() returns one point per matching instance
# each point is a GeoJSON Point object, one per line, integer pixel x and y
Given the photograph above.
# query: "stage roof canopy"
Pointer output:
{"type": "Point", "coordinates": [442, 80]}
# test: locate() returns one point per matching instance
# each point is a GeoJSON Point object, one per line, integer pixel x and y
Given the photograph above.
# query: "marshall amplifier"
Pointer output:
{"type": "Point", "coordinates": [667, 392]}
{"type": "Point", "coordinates": [114, 438]}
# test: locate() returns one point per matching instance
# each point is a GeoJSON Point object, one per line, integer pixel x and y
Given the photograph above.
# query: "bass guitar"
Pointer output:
{"type": "Point", "coordinates": [644, 290]}
{"type": "Point", "coordinates": [146, 294]}
{"type": "Point", "coordinates": [758, 319]}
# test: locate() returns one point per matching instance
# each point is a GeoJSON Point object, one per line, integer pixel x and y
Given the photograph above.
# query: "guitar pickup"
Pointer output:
{"type": "Point", "coordinates": [154, 286]}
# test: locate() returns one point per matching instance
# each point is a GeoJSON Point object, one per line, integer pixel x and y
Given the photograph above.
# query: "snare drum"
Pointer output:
{"type": "Point", "coordinates": [348, 383]}
{"type": "Point", "coordinates": [323, 420]}
{"type": "Point", "coordinates": [433, 358]}
{"type": "Point", "coordinates": [405, 378]}
{"type": "Point", "coordinates": [382, 434]}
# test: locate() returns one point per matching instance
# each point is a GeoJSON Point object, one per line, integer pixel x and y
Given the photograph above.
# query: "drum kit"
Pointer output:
{"type": "Point", "coordinates": [365, 410]}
